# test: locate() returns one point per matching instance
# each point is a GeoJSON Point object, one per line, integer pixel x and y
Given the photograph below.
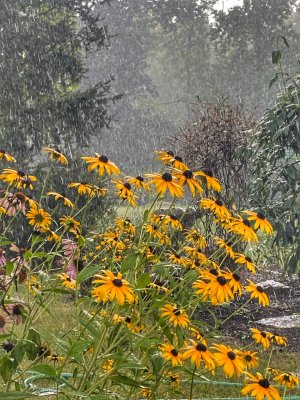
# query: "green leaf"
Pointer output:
{"type": "Point", "coordinates": [284, 40]}
{"type": "Point", "coordinates": [5, 241]}
{"type": "Point", "coordinates": [33, 344]}
{"type": "Point", "coordinates": [143, 281]}
{"type": "Point", "coordinates": [9, 267]}
{"type": "Point", "coordinates": [94, 331]}
{"type": "Point", "coordinates": [78, 347]}
{"type": "Point", "coordinates": [273, 80]}
{"type": "Point", "coordinates": [44, 369]}
{"type": "Point", "coordinates": [18, 353]}
{"type": "Point", "coordinates": [276, 56]}
{"type": "Point", "coordinates": [87, 272]}
{"type": "Point", "coordinates": [125, 380]}
{"type": "Point", "coordinates": [129, 262]}
{"type": "Point", "coordinates": [6, 368]}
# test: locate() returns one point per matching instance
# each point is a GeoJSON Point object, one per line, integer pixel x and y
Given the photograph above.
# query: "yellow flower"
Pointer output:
{"type": "Point", "coordinates": [224, 245]}
{"type": "Point", "coordinates": [34, 285]}
{"type": "Point", "coordinates": [112, 287]}
{"type": "Point", "coordinates": [261, 337]}
{"type": "Point", "coordinates": [187, 177]}
{"type": "Point", "coordinates": [260, 222]}
{"type": "Point", "coordinates": [55, 358]}
{"type": "Point", "coordinates": [243, 228]}
{"type": "Point", "coordinates": [165, 182]}
{"type": "Point", "coordinates": [82, 187]}
{"type": "Point", "coordinates": [165, 156]}
{"type": "Point", "coordinates": [178, 163]}
{"type": "Point", "coordinates": [173, 221]}
{"type": "Point", "coordinates": [178, 260]}
{"type": "Point", "coordinates": [229, 359]}
{"type": "Point", "coordinates": [125, 191]}
{"type": "Point", "coordinates": [6, 156]}
{"type": "Point", "coordinates": [67, 281]}
{"type": "Point", "coordinates": [107, 365]}
{"type": "Point", "coordinates": [70, 224]}
{"type": "Point", "coordinates": [211, 181]}
{"type": "Point", "coordinates": [280, 340]}
{"type": "Point", "coordinates": [288, 380]}
{"type": "Point", "coordinates": [55, 154]}
{"type": "Point", "coordinates": [102, 164]}
{"type": "Point", "coordinates": [38, 217]}
{"type": "Point", "coordinates": [250, 358]}
{"type": "Point", "coordinates": [215, 206]}
{"type": "Point", "coordinates": [198, 353]}
{"type": "Point", "coordinates": [257, 292]}
{"type": "Point", "coordinates": [260, 388]}
{"type": "Point", "coordinates": [242, 259]}
{"type": "Point", "coordinates": [138, 182]}
{"type": "Point", "coordinates": [170, 353]}
{"type": "Point", "coordinates": [217, 289]}
{"type": "Point", "coordinates": [176, 316]}
{"type": "Point", "coordinates": [58, 196]}
{"type": "Point", "coordinates": [19, 178]}
{"type": "Point", "coordinates": [195, 237]}
{"type": "Point", "coordinates": [234, 282]}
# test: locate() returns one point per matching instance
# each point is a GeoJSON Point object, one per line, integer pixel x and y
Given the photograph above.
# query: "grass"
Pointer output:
{"type": "Point", "coordinates": [62, 319]}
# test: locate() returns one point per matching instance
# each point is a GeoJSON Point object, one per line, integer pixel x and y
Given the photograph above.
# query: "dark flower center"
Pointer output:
{"type": "Point", "coordinates": [103, 159]}
{"type": "Point", "coordinates": [8, 346]}
{"type": "Point", "coordinates": [188, 174]}
{"type": "Point", "coordinates": [248, 358]}
{"type": "Point", "coordinates": [83, 183]}
{"type": "Point", "coordinates": [2, 151]}
{"type": "Point", "coordinates": [236, 277]}
{"type": "Point", "coordinates": [178, 158]}
{"type": "Point", "coordinates": [177, 256]}
{"type": "Point", "coordinates": [201, 347]}
{"type": "Point", "coordinates": [20, 197]}
{"type": "Point", "coordinates": [248, 259]}
{"type": "Point", "coordinates": [264, 383]}
{"type": "Point", "coordinates": [221, 280]}
{"type": "Point", "coordinates": [197, 263]}
{"type": "Point", "coordinates": [117, 282]}
{"type": "Point", "coordinates": [140, 178]}
{"type": "Point", "coordinates": [231, 355]}
{"type": "Point", "coordinates": [21, 173]}
{"type": "Point", "coordinates": [260, 216]}
{"type": "Point", "coordinates": [287, 378]}
{"type": "Point", "coordinates": [171, 153]}
{"type": "Point", "coordinates": [127, 186]}
{"type": "Point", "coordinates": [173, 217]}
{"type": "Point", "coordinates": [208, 172]}
{"type": "Point", "coordinates": [213, 271]}
{"type": "Point", "coordinates": [174, 352]}
{"type": "Point", "coordinates": [176, 312]}
{"type": "Point", "coordinates": [219, 202]}
{"type": "Point", "coordinates": [167, 177]}
{"type": "Point", "coordinates": [259, 289]}
{"type": "Point", "coordinates": [16, 310]}
{"type": "Point", "coordinates": [128, 320]}
{"type": "Point", "coordinates": [246, 222]}
{"type": "Point", "coordinates": [263, 334]}
{"type": "Point", "coordinates": [173, 378]}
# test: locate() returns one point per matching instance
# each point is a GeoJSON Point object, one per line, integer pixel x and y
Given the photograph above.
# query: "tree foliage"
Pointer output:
{"type": "Point", "coordinates": [42, 64]}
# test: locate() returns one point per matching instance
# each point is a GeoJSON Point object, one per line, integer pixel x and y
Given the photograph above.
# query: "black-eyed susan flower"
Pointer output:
{"type": "Point", "coordinates": [280, 340]}
{"type": "Point", "coordinates": [38, 218]}
{"type": "Point", "coordinates": [107, 365]}
{"type": "Point", "coordinates": [34, 286]}
{"type": "Point", "coordinates": [226, 246]}
{"type": "Point", "coordinates": [261, 337]}
{"type": "Point", "coordinates": [216, 206]}
{"type": "Point", "coordinates": [165, 182]}
{"type": "Point", "coordinates": [234, 282]}
{"type": "Point", "coordinates": [178, 163]}
{"type": "Point", "coordinates": [6, 157]}
{"type": "Point", "coordinates": [243, 228]}
{"type": "Point", "coordinates": [187, 177]}
{"type": "Point", "coordinates": [63, 199]}
{"type": "Point", "coordinates": [55, 358]}
{"type": "Point", "coordinates": [165, 156]}
{"type": "Point", "coordinates": [170, 353]}
{"type": "Point", "coordinates": [173, 221]}
{"type": "Point", "coordinates": [195, 237]}
{"type": "Point", "coordinates": [198, 353]}
{"type": "Point", "coordinates": [125, 225]}
{"type": "Point", "coordinates": [197, 334]}
{"type": "Point", "coordinates": [175, 315]}
{"type": "Point", "coordinates": [67, 282]}
{"type": "Point", "coordinates": [70, 224]}
{"type": "Point", "coordinates": [229, 359]}
{"type": "Point", "coordinates": [174, 378]}
{"type": "Point", "coordinates": [245, 260]}
{"type": "Point", "coordinates": [176, 258]}
{"type": "Point", "coordinates": [260, 221]}
{"type": "Point", "coordinates": [138, 182]}
{"type": "Point", "coordinates": [211, 181]}
{"type": "Point", "coordinates": [82, 187]}
{"type": "Point", "coordinates": [257, 292]}
{"type": "Point", "coordinates": [112, 287]}
{"type": "Point", "coordinates": [102, 164]}
{"type": "Point", "coordinates": [259, 387]}
{"type": "Point", "coordinates": [196, 253]}
{"type": "Point", "coordinates": [97, 191]}
{"type": "Point", "coordinates": [217, 289]}
{"type": "Point", "coordinates": [124, 191]}
{"type": "Point", "coordinates": [250, 358]}
{"type": "Point", "coordinates": [19, 178]}
{"type": "Point", "coordinates": [55, 154]}
{"type": "Point", "coordinates": [287, 379]}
